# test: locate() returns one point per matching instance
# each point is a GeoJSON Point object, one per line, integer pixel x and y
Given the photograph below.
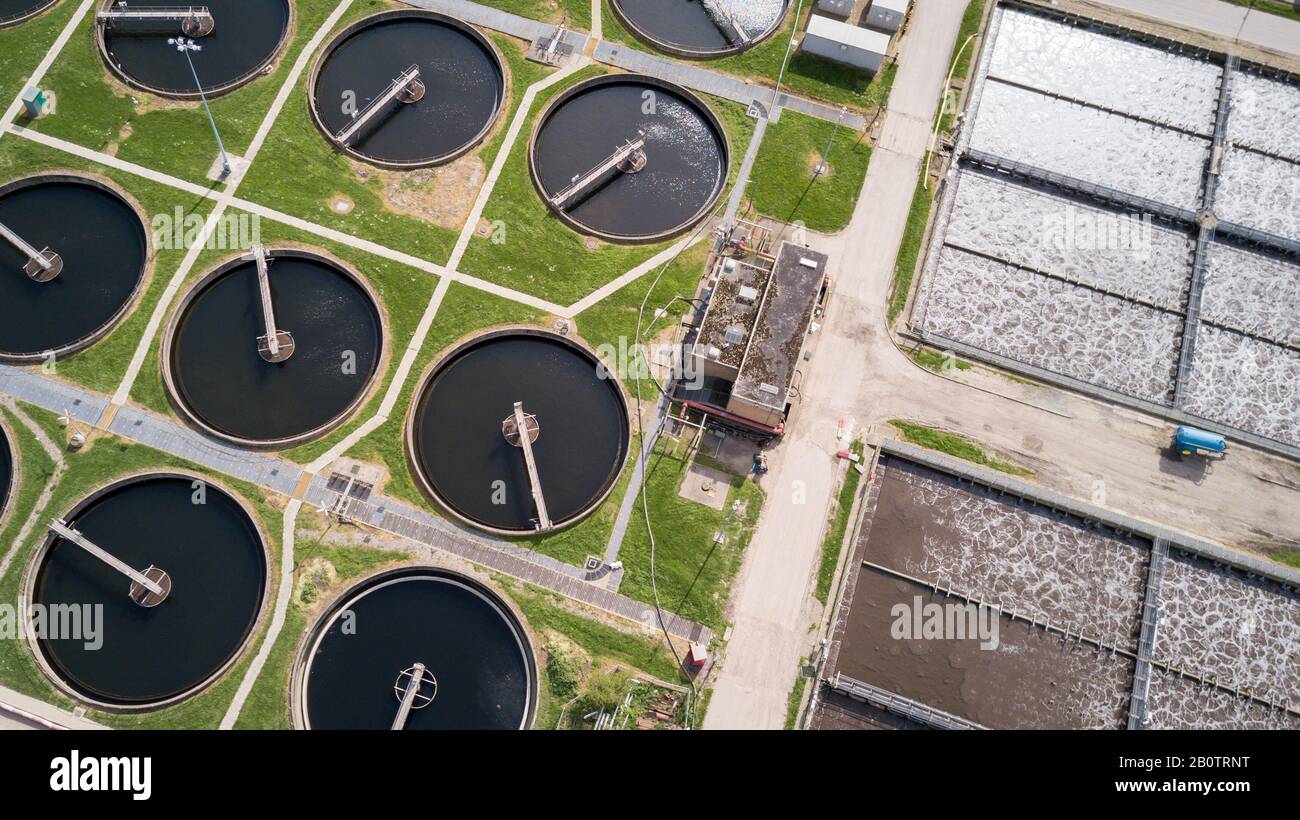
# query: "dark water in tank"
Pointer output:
{"type": "Point", "coordinates": [467, 643]}
{"type": "Point", "coordinates": [103, 245]}
{"type": "Point", "coordinates": [461, 450]}
{"type": "Point", "coordinates": [685, 167]}
{"type": "Point", "coordinates": [218, 569]}
{"type": "Point", "coordinates": [222, 379]}
{"type": "Point", "coordinates": [17, 8]}
{"type": "Point", "coordinates": [6, 469]}
{"type": "Point", "coordinates": [702, 25]}
{"type": "Point", "coordinates": [464, 86]}
{"type": "Point", "coordinates": [247, 35]}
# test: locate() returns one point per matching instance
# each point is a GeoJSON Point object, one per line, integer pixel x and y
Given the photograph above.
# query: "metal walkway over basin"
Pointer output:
{"type": "Point", "coordinates": [195, 21]}
{"type": "Point", "coordinates": [628, 159]}
{"type": "Point", "coordinates": [407, 87]}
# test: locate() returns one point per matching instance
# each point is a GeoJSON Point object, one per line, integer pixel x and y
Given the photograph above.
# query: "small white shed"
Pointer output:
{"type": "Point", "coordinates": [844, 43]}
{"type": "Point", "coordinates": [886, 15]}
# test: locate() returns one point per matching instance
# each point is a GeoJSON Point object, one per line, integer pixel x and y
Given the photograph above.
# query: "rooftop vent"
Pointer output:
{"type": "Point", "coordinates": [770, 389]}
{"type": "Point", "coordinates": [715, 353]}
{"type": "Point", "coordinates": [808, 263]}
{"type": "Point", "coordinates": [733, 334]}
{"type": "Point", "coordinates": [747, 295]}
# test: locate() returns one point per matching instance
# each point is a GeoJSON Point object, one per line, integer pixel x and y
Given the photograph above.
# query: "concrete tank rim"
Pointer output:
{"type": "Point", "coordinates": [315, 631]}
{"type": "Point", "coordinates": [685, 52]}
{"type": "Point", "coordinates": [611, 79]}
{"type": "Point", "coordinates": [449, 355]}
{"type": "Point", "coordinates": [31, 571]}
{"type": "Point", "coordinates": [36, 10]}
{"type": "Point", "coordinates": [343, 36]}
{"type": "Point", "coordinates": [255, 73]}
{"type": "Point", "coordinates": [143, 280]}
{"type": "Point", "coordinates": [224, 267]}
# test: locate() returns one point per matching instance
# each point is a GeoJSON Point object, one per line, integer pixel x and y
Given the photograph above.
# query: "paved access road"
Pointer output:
{"type": "Point", "coordinates": [859, 376]}
{"type": "Point", "coordinates": [1221, 18]}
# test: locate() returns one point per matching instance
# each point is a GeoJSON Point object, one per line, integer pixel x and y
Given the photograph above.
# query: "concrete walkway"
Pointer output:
{"type": "Point", "coordinates": [1220, 18]}
{"type": "Point", "coordinates": [283, 477]}
{"type": "Point", "coordinates": [19, 711]}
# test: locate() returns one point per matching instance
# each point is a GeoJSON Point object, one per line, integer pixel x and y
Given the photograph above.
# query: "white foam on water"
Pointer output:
{"type": "Point", "coordinates": [1252, 292]}
{"type": "Point", "coordinates": [755, 16]}
{"type": "Point", "coordinates": [1242, 633]}
{"type": "Point", "coordinates": [1260, 192]}
{"type": "Point", "coordinates": [1246, 383]}
{"type": "Point", "coordinates": [1264, 113]}
{"type": "Point", "coordinates": [1099, 339]}
{"type": "Point", "coordinates": [1031, 227]}
{"type": "Point", "coordinates": [1107, 71]}
{"type": "Point", "coordinates": [1081, 142]}
{"type": "Point", "coordinates": [1021, 559]}
{"type": "Point", "coordinates": [1176, 702]}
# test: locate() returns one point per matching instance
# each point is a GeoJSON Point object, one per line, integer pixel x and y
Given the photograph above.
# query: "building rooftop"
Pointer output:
{"type": "Point", "coordinates": [778, 336]}
{"type": "Point", "coordinates": [731, 310]}
{"type": "Point", "coordinates": [853, 36]}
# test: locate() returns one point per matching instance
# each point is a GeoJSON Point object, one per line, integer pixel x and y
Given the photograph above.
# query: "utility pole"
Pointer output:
{"type": "Point", "coordinates": [185, 45]}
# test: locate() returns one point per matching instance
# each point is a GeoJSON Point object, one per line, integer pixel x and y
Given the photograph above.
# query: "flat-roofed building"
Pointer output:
{"type": "Point", "coordinates": [859, 47]}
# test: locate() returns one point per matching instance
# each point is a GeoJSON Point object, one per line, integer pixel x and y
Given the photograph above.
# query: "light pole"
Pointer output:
{"type": "Point", "coordinates": [826, 154]}
{"type": "Point", "coordinates": [185, 45]}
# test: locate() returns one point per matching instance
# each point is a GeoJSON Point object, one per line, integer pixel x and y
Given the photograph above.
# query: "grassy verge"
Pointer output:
{"type": "Point", "coordinates": [785, 183]}
{"type": "Point", "coordinates": [909, 252]}
{"type": "Point", "coordinates": [98, 111]}
{"type": "Point", "coordinates": [533, 251]}
{"type": "Point", "coordinates": [101, 366]}
{"type": "Point", "coordinates": [936, 361]}
{"type": "Point", "coordinates": [22, 47]}
{"type": "Point", "coordinates": [833, 543]}
{"type": "Point", "coordinates": [102, 461]}
{"type": "Point", "coordinates": [1290, 557]}
{"type": "Point", "coordinates": [961, 60]}
{"type": "Point", "coordinates": [1282, 8]}
{"type": "Point", "coordinates": [577, 13]}
{"type": "Point", "coordinates": [795, 698]}
{"type": "Point", "coordinates": [403, 294]}
{"type": "Point", "coordinates": [694, 573]}
{"type": "Point", "coordinates": [955, 446]}
{"type": "Point", "coordinates": [805, 75]}
{"type": "Point", "coordinates": [34, 471]}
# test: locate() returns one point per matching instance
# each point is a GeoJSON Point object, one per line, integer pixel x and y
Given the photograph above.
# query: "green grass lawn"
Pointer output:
{"type": "Point", "coordinates": [805, 75]}
{"type": "Point", "coordinates": [961, 60]}
{"type": "Point", "coordinates": [577, 13]}
{"type": "Point", "coordinates": [784, 181]}
{"type": "Point", "coordinates": [22, 47]}
{"type": "Point", "coordinates": [173, 137]}
{"type": "Point", "coordinates": [1282, 8]}
{"type": "Point", "coordinates": [404, 292]}
{"type": "Point", "coordinates": [101, 366]}
{"type": "Point", "coordinates": [299, 172]}
{"type": "Point", "coordinates": [833, 543]}
{"type": "Point", "coordinates": [909, 252]}
{"type": "Point", "coordinates": [693, 573]}
{"type": "Point", "coordinates": [535, 252]}
{"type": "Point", "coordinates": [955, 446]}
{"type": "Point", "coordinates": [101, 462]}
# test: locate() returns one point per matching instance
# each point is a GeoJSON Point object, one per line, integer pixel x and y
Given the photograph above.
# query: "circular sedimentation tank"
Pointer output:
{"type": "Point", "coordinates": [660, 190]}
{"type": "Point", "coordinates": [702, 28]}
{"type": "Point", "coordinates": [475, 660]}
{"type": "Point", "coordinates": [445, 112]}
{"type": "Point", "coordinates": [237, 42]}
{"type": "Point", "coordinates": [220, 375]}
{"type": "Point", "coordinates": [102, 248]}
{"type": "Point", "coordinates": [459, 445]}
{"type": "Point", "coordinates": [13, 12]}
{"type": "Point", "coordinates": [8, 469]}
{"type": "Point", "coordinates": [206, 550]}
